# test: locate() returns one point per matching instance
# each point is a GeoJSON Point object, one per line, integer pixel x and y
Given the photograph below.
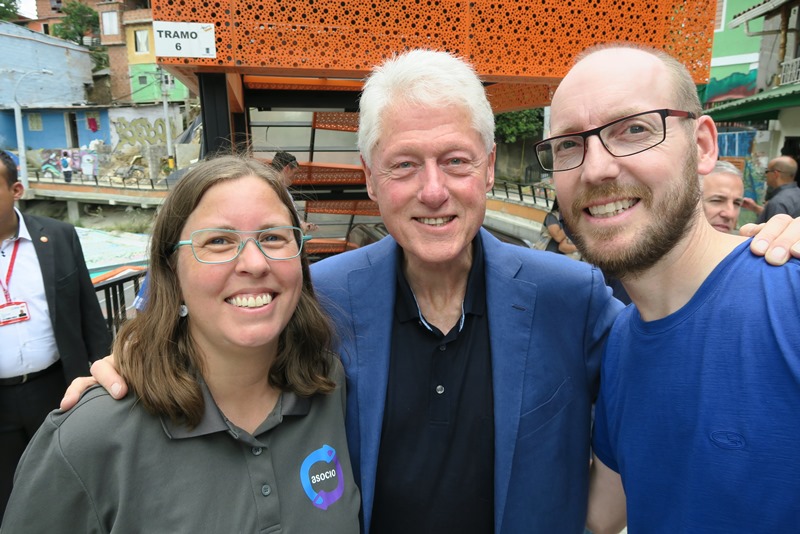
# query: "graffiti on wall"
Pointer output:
{"type": "Point", "coordinates": [140, 132]}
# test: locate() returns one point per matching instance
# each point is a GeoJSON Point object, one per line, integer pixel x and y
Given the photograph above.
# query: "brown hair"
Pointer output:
{"type": "Point", "coordinates": [156, 354]}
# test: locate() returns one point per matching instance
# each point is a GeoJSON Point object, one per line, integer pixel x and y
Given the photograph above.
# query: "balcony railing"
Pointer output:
{"type": "Point", "coordinates": [790, 71]}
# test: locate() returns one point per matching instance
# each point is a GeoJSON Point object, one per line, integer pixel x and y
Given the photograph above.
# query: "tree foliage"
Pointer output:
{"type": "Point", "coordinates": [9, 9]}
{"type": "Point", "coordinates": [79, 20]}
{"type": "Point", "coordinates": [518, 125]}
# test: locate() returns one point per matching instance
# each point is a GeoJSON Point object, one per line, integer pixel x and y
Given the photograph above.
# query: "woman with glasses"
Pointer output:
{"type": "Point", "coordinates": [237, 419]}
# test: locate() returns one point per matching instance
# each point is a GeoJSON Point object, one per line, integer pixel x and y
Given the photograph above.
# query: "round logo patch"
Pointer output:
{"type": "Point", "coordinates": [320, 467]}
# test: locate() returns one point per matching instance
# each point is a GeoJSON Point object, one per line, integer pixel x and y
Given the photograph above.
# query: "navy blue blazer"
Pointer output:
{"type": "Point", "coordinates": [548, 320]}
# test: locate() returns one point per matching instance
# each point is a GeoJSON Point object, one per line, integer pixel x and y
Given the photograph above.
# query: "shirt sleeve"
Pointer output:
{"type": "Point", "coordinates": [774, 207]}
{"type": "Point", "coordinates": [603, 310]}
{"type": "Point", "coordinates": [48, 494]}
{"type": "Point", "coordinates": [601, 445]}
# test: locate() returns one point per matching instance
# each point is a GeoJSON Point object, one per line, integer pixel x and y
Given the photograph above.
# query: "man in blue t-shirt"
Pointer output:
{"type": "Point", "coordinates": [700, 381]}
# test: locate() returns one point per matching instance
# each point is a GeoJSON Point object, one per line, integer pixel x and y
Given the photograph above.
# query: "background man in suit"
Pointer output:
{"type": "Point", "coordinates": [51, 325]}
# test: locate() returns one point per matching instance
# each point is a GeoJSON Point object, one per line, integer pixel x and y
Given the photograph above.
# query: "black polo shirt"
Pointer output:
{"type": "Point", "coordinates": [436, 461]}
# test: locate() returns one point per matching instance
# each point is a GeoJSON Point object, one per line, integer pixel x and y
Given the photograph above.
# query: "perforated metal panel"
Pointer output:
{"type": "Point", "coordinates": [520, 48]}
{"type": "Point", "coordinates": [529, 41]}
{"type": "Point", "coordinates": [344, 207]}
{"type": "Point", "coordinates": [327, 120]}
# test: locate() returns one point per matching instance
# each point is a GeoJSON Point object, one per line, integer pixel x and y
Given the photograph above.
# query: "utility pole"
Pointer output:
{"type": "Point", "coordinates": [23, 156]}
{"type": "Point", "coordinates": [166, 85]}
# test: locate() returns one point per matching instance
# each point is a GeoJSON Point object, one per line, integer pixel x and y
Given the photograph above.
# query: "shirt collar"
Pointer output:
{"type": "Point", "coordinates": [474, 299]}
{"type": "Point", "coordinates": [22, 228]}
{"type": "Point", "coordinates": [213, 420]}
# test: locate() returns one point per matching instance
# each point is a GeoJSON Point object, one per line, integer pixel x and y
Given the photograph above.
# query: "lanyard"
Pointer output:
{"type": "Point", "coordinates": [10, 270]}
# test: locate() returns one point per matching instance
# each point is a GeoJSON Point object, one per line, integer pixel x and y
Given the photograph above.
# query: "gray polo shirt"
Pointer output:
{"type": "Point", "coordinates": [110, 466]}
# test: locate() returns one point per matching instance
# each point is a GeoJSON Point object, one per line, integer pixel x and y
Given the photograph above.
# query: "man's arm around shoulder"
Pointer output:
{"type": "Point", "coordinates": [607, 508]}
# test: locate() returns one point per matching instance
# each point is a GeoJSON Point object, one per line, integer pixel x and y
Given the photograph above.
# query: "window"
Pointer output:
{"type": "Point", "coordinates": [35, 122]}
{"type": "Point", "coordinates": [142, 80]}
{"type": "Point", "coordinates": [142, 41]}
{"type": "Point", "coordinates": [110, 23]}
{"type": "Point", "coordinates": [719, 21]}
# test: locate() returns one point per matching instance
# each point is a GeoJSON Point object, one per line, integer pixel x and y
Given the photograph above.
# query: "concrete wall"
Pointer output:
{"type": "Point", "coordinates": [513, 159]}
{"type": "Point", "coordinates": [134, 128]}
{"type": "Point", "coordinates": [8, 133]}
{"type": "Point", "coordinates": [25, 51]}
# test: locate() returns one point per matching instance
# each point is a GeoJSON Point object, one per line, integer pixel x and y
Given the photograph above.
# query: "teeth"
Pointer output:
{"type": "Point", "coordinates": [251, 301]}
{"type": "Point", "coordinates": [611, 209]}
{"type": "Point", "coordinates": [435, 221]}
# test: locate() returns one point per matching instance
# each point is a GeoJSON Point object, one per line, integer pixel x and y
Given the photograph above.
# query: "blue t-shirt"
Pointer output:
{"type": "Point", "coordinates": [699, 412]}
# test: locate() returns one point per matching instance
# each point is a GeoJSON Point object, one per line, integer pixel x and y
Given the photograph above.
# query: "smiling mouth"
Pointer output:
{"type": "Point", "coordinates": [611, 209]}
{"type": "Point", "coordinates": [435, 221]}
{"type": "Point", "coordinates": [251, 301]}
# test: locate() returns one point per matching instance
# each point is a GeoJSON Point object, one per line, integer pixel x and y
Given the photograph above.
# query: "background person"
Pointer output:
{"type": "Point", "coordinates": [66, 167]}
{"type": "Point", "coordinates": [559, 242]}
{"type": "Point", "coordinates": [783, 193]}
{"type": "Point", "coordinates": [286, 164]}
{"type": "Point", "coordinates": [683, 414]}
{"type": "Point", "coordinates": [237, 422]}
{"type": "Point", "coordinates": [44, 279]}
{"type": "Point", "coordinates": [723, 194]}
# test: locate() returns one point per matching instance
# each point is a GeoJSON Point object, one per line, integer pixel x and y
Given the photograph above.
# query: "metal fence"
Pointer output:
{"type": "Point", "coordinates": [537, 194]}
{"type": "Point", "coordinates": [116, 293]}
{"type": "Point", "coordinates": [78, 178]}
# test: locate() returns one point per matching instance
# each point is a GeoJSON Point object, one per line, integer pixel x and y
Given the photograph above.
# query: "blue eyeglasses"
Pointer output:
{"type": "Point", "coordinates": [217, 245]}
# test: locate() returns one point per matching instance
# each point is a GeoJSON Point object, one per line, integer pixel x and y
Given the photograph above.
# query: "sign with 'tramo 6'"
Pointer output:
{"type": "Point", "coordinates": [184, 39]}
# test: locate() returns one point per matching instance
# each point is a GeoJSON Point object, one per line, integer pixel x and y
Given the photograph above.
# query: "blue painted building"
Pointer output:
{"type": "Point", "coordinates": [49, 78]}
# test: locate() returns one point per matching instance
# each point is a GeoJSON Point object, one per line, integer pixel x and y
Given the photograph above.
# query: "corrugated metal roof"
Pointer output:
{"type": "Point", "coordinates": [758, 10]}
{"type": "Point", "coordinates": [763, 106]}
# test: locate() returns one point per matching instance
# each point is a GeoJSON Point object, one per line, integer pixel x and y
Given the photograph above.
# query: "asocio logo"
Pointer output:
{"type": "Point", "coordinates": [321, 477]}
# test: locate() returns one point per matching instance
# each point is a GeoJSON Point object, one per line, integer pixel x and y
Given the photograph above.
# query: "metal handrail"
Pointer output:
{"type": "Point", "coordinates": [536, 194]}
{"type": "Point", "coordinates": [114, 295]}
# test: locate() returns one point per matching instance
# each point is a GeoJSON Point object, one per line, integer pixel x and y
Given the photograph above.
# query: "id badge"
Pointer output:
{"type": "Point", "coordinates": [13, 312]}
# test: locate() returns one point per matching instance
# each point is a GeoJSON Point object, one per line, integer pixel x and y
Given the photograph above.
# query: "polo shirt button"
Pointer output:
{"type": "Point", "coordinates": [256, 451]}
{"type": "Point", "coordinates": [266, 490]}
{"type": "Point", "coordinates": [440, 389]}
{"type": "Point", "coordinates": [442, 348]}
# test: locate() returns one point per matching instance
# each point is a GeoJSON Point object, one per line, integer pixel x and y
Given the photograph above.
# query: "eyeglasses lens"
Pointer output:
{"type": "Point", "coordinates": [624, 137]}
{"type": "Point", "coordinates": [220, 246]}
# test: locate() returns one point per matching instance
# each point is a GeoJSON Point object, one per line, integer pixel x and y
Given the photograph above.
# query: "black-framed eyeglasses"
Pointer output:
{"type": "Point", "coordinates": [218, 245]}
{"type": "Point", "coordinates": [623, 137]}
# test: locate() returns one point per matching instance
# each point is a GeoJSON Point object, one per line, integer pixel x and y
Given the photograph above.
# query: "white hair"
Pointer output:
{"type": "Point", "coordinates": [727, 167]}
{"type": "Point", "coordinates": [423, 78]}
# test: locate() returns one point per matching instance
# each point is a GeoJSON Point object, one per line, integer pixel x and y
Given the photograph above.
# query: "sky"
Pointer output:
{"type": "Point", "coordinates": [27, 8]}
